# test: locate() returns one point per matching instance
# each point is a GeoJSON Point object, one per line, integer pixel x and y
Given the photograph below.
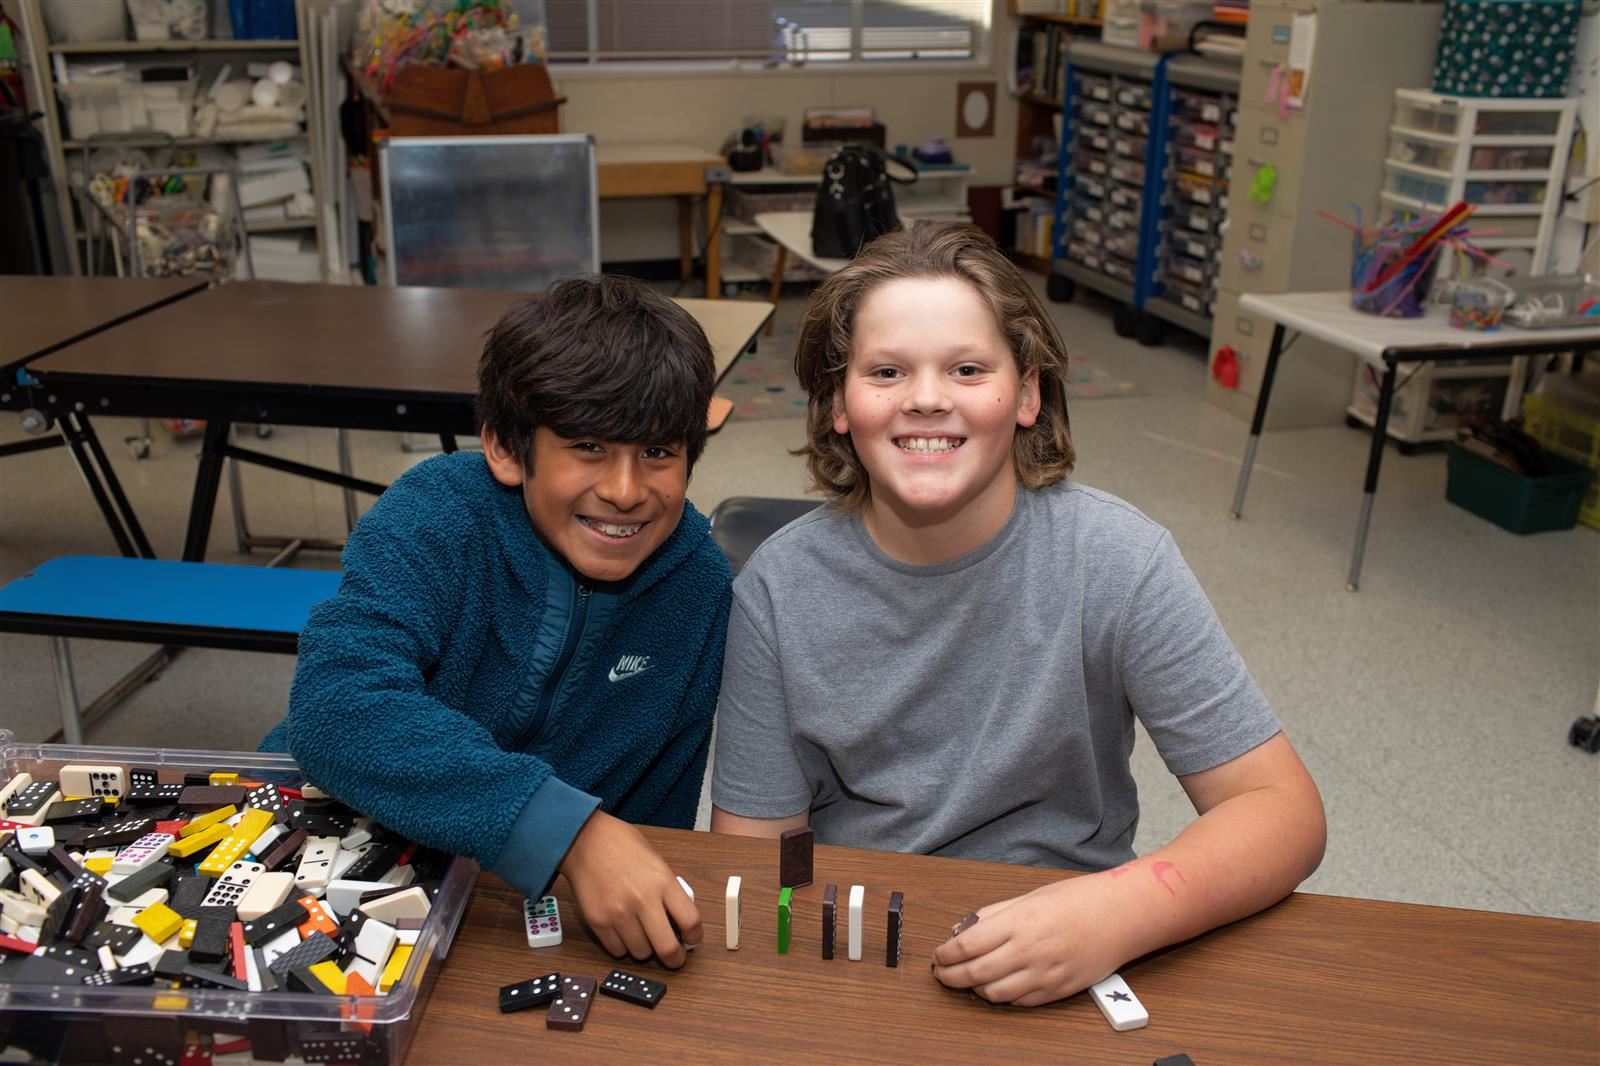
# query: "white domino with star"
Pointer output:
{"type": "Point", "coordinates": [1118, 1003]}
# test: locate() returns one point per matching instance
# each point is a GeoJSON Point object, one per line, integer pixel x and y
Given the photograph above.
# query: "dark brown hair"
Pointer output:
{"type": "Point", "coordinates": [1042, 453]}
{"type": "Point", "coordinates": [596, 356]}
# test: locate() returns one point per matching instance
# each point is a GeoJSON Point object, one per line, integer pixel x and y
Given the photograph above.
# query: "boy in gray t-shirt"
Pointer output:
{"type": "Point", "coordinates": [948, 658]}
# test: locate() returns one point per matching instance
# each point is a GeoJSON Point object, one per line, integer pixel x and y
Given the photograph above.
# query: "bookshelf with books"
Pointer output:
{"type": "Point", "coordinates": [1038, 72]}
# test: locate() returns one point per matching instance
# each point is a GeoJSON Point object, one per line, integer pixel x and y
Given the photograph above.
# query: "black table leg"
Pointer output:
{"type": "Point", "coordinates": [1380, 432]}
{"type": "Point", "coordinates": [1258, 419]}
{"type": "Point", "coordinates": [206, 479]}
{"type": "Point", "coordinates": [114, 486]}
{"type": "Point", "coordinates": [447, 442]}
{"type": "Point", "coordinates": [97, 489]}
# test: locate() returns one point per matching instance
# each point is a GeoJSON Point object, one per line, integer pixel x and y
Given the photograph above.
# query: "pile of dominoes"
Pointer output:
{"type": "Point", "coordinates": [109, 877]}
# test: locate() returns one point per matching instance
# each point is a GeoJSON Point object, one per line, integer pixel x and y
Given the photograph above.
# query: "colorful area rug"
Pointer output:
{"type": "Point", "coordinates": [762, 384]}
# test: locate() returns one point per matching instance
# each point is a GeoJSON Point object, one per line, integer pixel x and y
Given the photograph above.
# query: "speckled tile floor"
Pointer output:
{"type": "Point", "coordinates": [1432, 706]}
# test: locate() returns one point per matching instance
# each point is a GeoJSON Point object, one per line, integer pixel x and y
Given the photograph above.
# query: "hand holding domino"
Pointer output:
{"type": "Point", "coordinates": [628, 895]}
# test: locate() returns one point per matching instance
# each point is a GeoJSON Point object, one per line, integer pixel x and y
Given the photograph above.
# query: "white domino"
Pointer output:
{"type": "Point", "coordinates": [265, 893]}
{"type": "Point", "coordinates": [542, 919]}
{"type": "Point", "coordinates": [1118, 1003]}
{"type": "Point", "coordinates": [688, 890]}
{"type": "Point", "coordinates": [82, 781]}
{"type": "Point", "coordinates": [38, 888]}
{"type": "Point", "coordinates": [410, 903]}
{"type": "Point", "coordinates": [230, 888]}
{"type": "Point", "coordinates": [12, 787]}
{"type": "Point", "coordinates": [360, 833]}
{"type": "Point", "coordinates": [346, 858]}
{"type": "Point", "coordinates": [400, 876]}
{"type": "Point", "coordinates": [858, 899]}
{"type": "Point", "coordinates": [141, 853]}
{"type": "Point", "coordinates": [344, 895]}
{"type": "Point", "coordinates": [316, 863]}
{"type": "Point", "coordinates": [366, 969]}
{"type": "Point", "coordinates": [36, 840]}
{"type": "Point", "coordinates": [731, 922]}
{"type": "Point", "coordinates": [375, 942]}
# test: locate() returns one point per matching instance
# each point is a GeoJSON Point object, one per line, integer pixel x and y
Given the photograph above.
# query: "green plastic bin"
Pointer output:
{"type": "Point", "coordinates": [1512, 501]}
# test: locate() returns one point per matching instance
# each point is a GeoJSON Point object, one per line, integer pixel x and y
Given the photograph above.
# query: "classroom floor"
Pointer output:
{"type": "Point", "coordinates": [1432, 706]}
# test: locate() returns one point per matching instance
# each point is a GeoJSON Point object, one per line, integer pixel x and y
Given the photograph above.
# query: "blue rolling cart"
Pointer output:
{"type": "Point", "coordinates": [1139, 202]}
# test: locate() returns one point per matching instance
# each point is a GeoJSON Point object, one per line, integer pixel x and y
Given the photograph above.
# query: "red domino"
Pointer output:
{"type": "Point", "coordinates": [230, 1047]}
{"type": "Point", "coordinates": [171, 828]}
{"type": "Point", "coordinates": [21, 947]}
{"type": "Point", "coordinates": [407, 855]}
{"type": "Point", "coordinates": [6, 823]}
{"type": "Point", "coordinates": [289, 793]}
{"type": "Point", "coordinates": [236, 943]}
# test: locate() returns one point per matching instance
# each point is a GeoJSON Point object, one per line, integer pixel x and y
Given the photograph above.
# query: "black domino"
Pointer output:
{"type": "Point", "coordinates": [633, 988]}
{"type": "Point", "coordinates": [536, 992]}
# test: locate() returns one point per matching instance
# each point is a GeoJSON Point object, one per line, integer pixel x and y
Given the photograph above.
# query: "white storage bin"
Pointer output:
{"type": "Point", "coordinates": [82, 21]}
{"type": "Point", "coordinates": [96, 105]}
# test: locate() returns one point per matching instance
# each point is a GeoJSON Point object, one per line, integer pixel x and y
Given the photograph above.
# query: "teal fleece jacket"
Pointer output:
{"type": "Point", "coordinates": [466, 690]}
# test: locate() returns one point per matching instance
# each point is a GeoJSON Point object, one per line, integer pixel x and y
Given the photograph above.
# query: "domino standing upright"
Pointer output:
{"type": "Point", "coordinates": [688, 890]}
{"type": "Point", "coordinates": [731, 922]}
{"type": "Point", "coordinates": [896, 929]}
{"type": "Point", "coordinates": [785, 917]}
{"type": "Point", "coordinates": [830, 906]}
{"type": "Point", "coordinates": [858, 899]}
{"type": "Point", "coordinates": [795, 848]}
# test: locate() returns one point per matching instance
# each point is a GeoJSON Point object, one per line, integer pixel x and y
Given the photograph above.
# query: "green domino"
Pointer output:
{"type": "Point", "coordinates": [784, 912]}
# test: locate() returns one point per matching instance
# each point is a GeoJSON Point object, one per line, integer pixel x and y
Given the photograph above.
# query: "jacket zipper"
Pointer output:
{"type": "Point", "coordinates": [569, 646]}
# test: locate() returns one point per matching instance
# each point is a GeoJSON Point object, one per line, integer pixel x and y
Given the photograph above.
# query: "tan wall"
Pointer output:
{"type": "Point", "coordinates": [701, 108]}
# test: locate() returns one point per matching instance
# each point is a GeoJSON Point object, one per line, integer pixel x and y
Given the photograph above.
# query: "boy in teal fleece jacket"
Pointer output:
{"type": "Point", "coordinates": [526, 648]}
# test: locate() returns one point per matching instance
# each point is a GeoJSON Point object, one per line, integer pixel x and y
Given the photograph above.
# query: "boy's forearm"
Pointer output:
{"type": "Point", "coordinates": [1240, 857]}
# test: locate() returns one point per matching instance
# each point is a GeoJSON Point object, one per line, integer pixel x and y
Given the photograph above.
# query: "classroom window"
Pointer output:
{"type": "Point", "coordinates": [769, 31]}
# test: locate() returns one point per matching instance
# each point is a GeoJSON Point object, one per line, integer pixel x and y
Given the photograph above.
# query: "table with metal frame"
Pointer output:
{"type": "Point", "coordinates": [353, 357]}
{"type": "Point", "coordinates": [42, 315]}
{"type": "Point", "coordinates": [1384, 343]}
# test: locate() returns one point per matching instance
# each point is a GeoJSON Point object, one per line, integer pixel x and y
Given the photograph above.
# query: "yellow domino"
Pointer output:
{"type": "Point", "coordinates": [158, 921]}
{"type": "Point", "coordinates": [328, 973]}
{"type": "Point", "coordinates": [206, 821]}
{"type": "Point", "coordinates": [253, 823]}
{"type": "Point", "coordinates": [396, 966]}
{"type": "Point", "coordinates": [186, 934]}
{"type": "Point", "coordinates": [182, 849]}
{"type": "Point", "coordinates": [101, 864]}
{"type": "Point", "coordinates": [220, 778]}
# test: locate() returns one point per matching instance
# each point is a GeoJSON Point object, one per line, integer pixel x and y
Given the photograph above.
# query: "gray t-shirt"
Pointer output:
{"type": "Point", "coordinates": [980, 708]}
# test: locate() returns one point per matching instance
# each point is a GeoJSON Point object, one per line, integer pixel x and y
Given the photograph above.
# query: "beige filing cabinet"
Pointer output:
{"type": "Point", "coordinates": [1327, 155]}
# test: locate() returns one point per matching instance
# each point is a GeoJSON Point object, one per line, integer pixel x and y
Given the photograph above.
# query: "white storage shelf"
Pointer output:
{"type": "Point", "coordinates": [1443, 149]}
{"type": "Point", "coordinates": [154, 120]}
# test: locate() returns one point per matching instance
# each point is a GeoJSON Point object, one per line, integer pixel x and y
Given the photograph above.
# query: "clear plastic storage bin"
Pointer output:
{"type": "Point", "coordinates": [83, 1023]}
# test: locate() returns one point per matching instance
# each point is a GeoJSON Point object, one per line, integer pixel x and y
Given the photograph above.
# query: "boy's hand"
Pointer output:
{"type": "Point", "coordinates": [627, 893]}
{"type": "Point", "coordinates": [1043, 946]}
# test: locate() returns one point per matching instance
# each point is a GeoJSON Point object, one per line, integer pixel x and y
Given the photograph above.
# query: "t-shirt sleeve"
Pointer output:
{"type": "Point", "coordinates": [1181, 673]}
{"type": "Point", "coordinates": [756, 772]}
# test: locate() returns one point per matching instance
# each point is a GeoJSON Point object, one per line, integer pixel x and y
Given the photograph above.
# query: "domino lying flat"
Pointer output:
{"type": "Point", "coordinates": [1118, 1003]}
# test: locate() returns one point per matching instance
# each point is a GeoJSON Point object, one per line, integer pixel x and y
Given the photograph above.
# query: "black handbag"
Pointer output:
{"type": "Point", "coordinates": [855, 201]}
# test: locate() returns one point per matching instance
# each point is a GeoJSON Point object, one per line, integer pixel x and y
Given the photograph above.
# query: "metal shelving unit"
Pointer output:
{"type": "Point", "coordinates": [44, 55]}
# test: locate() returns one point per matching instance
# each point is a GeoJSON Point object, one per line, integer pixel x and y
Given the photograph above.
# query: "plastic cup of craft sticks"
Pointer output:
{"type": "Point", "coordinates": [1377, 288]}
{"type": "Point", "coordinates": [1479, 304]}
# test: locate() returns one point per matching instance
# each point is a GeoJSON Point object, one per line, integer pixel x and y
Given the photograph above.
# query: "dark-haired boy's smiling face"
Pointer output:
{"type": "Point", "coordinates": [605, 506]}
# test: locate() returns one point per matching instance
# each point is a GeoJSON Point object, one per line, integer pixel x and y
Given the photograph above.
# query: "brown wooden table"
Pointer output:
{"type": "Point", "coordinates": [353, 357]}
{"type": "Point", "coordinates": [40, 315]}
{"type": "Point", "coordinates": [678, 170]}
{"type": "Point", "coordinates": [1314, 979]}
